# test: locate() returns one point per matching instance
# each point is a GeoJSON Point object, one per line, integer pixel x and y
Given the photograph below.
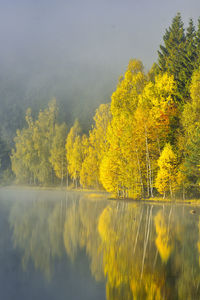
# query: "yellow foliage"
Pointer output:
{"type": "Point", "coordinates": [149, 288]}
{"type": "Point", "coordinates": [58, 154]}
{"type": "Point", "coordinates": [110, 255]}
{"type": "Point", "coordinates": [89, 175]}
{"type": "Point", "coordinates": [163, 242]}
{"type": "Point", "coordinates": [30, 160]}
{"type": "Point", "coordinates": [105, 228]}
{"type": "Point", "coordinates": [195, 86]}
{"type": "Point", "coordinates": [96, 148]}
{"type": "Point", "coordinates": [125, 98]}
{"type": "Point", "coordinates": [74, 152]}
{"type": "Point", "coordinates": [119, 169]}
{"type": "Point", "coordinates": [166, 179]}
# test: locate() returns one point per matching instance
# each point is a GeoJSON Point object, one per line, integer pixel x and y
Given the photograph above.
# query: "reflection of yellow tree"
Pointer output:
{"type": "Point", "coordinates": [150, 288]}
{"type": "Point", "coordinates": [80, 232]}
{"type": "Point", "coordinates": [37, 231]}
{"type": "Point", "coordinates": [119, 241]}
{"type": "Point", "coordinates": [71, 233]}
{"type": "Point", "coordinates": [90, 240]}
{"type": "Point", "coordinates": [109, 239]}
{"type": "Point", "coordinates": [123, 254]}
{"type": "Point", "coordinates": [113, 252]}
{"type": "Point", "coordinates": [186, 260]}
{"type": "Point", "coordinates": [163, 241]}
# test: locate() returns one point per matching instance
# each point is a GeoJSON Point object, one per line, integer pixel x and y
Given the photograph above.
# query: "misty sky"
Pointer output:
{"type": "Point", "coordinates": [78, 49]}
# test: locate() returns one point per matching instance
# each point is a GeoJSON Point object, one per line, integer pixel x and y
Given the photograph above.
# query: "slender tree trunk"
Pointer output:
{"type": "Point", "coordinates": [148, 166]}
{"type": "Point", "coordinates": [151, 179]}
{"type": "Point", "coordinates": [147, 170]}
{"type": "Point", "coordinates": [67, 179]}
{"type": "Point", "coordinates": [139, 168]}
{"type": "Point", "coordinates": [170, 188]}
{"type": "Point", "coordinates": [183, 193]}
{"type": "Point", "coordinates": [147, 163]}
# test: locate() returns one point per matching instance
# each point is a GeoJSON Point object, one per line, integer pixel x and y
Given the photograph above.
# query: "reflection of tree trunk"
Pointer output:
{"type": "Point", "coordinates": [146, 237]}
{"type": "Point", "coordinates": [137, 232]}
{"type": "Point", "coordinates": [61, 211]}
{"type": "Point", "coordinates": [155, 260]}
{"type": "Point", "coordinates": [170, 213]}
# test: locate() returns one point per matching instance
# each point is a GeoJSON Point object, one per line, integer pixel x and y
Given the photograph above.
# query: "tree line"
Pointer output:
{"type": "Point", "coordinates": [143, 143]}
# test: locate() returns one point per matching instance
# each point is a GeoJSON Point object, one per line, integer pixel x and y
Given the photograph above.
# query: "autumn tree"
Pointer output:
{"type": "Point", "coordinates": [74, 153]}
{"type": "Point", "coordinates": [43, 135]}
{"type": "Point", "coordinates": [24, 158]}
{"type": "Point", "coordinates": [96, 147]}
{"type": "Point", "coordinates": [117, 160]}
{"type": "Point", "coordinates": [58, 153]}
{"type": "Point", "coordinates": [154, 125]}
{"type": "Point", "coordinates": [191, 132]}
{"type": "Point", "coordinates": [166, 180]}
{"type": "Point", "coordinates": [38, 152]}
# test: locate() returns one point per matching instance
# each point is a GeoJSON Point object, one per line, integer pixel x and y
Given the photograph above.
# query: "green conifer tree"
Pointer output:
{"type": "Point", "coordinates": [172, 55]}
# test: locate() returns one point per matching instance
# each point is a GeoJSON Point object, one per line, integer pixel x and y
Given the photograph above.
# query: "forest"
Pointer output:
{"type": "Point", "coordinates": [144, 143]}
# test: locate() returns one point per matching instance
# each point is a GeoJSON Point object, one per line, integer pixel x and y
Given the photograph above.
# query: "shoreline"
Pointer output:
{"type": "Point", "coordinates": [99, 194]}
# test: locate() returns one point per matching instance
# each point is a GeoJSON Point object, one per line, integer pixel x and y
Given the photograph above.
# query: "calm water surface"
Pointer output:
{"type": "Point", "coordinates": [58, 245]}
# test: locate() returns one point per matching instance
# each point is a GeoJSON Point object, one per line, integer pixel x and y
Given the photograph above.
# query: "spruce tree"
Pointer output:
{"type": "Point", "coordinates": [172, 55]}
{"type": "Point", "coordinates": [190, 57]}
{"type": "Point", "coordinates": [197, 63]}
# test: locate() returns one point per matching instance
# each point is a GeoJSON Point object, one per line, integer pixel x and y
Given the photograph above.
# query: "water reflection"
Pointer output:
{"type": "Point", "coordinates": [140, 251]}
{"type": "Point", "coordinates": [38, 231]}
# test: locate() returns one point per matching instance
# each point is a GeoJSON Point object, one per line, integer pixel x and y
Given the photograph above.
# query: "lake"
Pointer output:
{"type": "Point", "coordinates": [62, 245]}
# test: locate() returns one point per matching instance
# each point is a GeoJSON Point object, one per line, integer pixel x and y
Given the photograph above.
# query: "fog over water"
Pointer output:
{"type": "Point", "coordinates": [69, 245]}
{"type": "Point", "coordinates": [76, 50]}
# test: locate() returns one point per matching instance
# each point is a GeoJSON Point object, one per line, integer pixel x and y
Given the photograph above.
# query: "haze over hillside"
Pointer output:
{"type": "Point", "coordinates": [74, 51]}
